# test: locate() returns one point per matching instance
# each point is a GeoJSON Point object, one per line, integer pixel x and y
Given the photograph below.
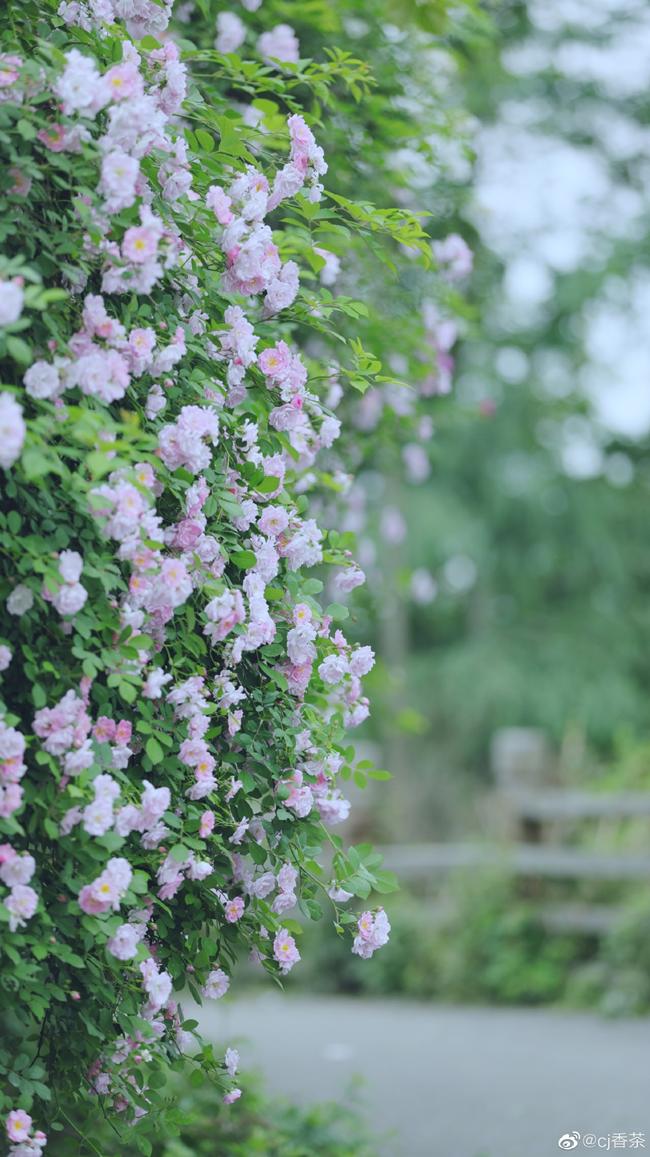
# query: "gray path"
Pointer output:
{"type": "Point", "coordinates": [451, 1082]}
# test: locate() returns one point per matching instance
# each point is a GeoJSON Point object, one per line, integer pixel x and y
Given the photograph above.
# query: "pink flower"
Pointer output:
{"type": "Point", "coordinates": [217, 200]}
{"type": "Point", "coordinates": [346, 580]}
{"type": "Point", "coordinates": [123, 944]}
{"type": "Point", "coordinates": [70, 598]}
{"type": "Point", "coordinates": [123, 81]}
{"type": "Point", "coordinates": [42, 381]}
{"type": "Point", "coordinates": [223, 612]}
{"type": "Point", "coordinates": [231, 1061]}
{"type": "Point", "coordinates": [273, 521]}
{"type": "Point", "coordinates": [216, 985]}
{"type": "Point", "coordinates": [21, 598]}
{"type": "Point", "coordinates": [21, 903]}
{"type": "Point", "coordinates": [101, 373]}
{"type": "Point", "coordinates": [279, 43]}
{"type": "Point", "coordinates": [12, 427]}
{"type": "Point", "coordinates": [118, 180]}
{"type": "Point", "coordinates": [123, 731]}
{"type": "Point", "coordinates": [80, 88]}
{"type": "Point", "coordinates": [17, 868]}
{"type": "Point", "coordinates": [285, 951]}
{"type": "Point", "coordinates": [231, 32]}
{"type": "Point", "coordinates": [455, 257]}
{"type": "Point", "coordinates": [232, 1096]}
{"type": "Point", "coordinates": [182, 444]}
{"type": "Point", "coordinates": [140, 244]}
{"type": "Point", "coordinates": [234, 910]}
{"type": "Point", "coordinates": [282, 291]}
{"type": "Point", "coordinates": [9, 70]}
{"type": "Point", "coordinates": [372, 933]}
{"type": "Point", "coordinates": [362, 660]}
{"type": "Point", "coordinates": [157, 984]}
{"type": "Point", "coordinates": [333, 669]}
{"type": "Point", "coordinates": [70, 566]}
{"type": "Point", "coordinates": [155, 682]}
{"type": "Point", "coordinates": [19, 1125]}
{"type": "Point", "coordinates": [207, 824]}
{"type": "Point", "coordinates": [104, 729]}
{"type": "Point", "coordinates": [331, 268]}
{"type": "Point", "coordinates": [240, 831]}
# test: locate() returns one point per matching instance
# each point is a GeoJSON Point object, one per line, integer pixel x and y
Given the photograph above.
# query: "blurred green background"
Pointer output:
{"type": "Point", "coordinates": [515, 592]}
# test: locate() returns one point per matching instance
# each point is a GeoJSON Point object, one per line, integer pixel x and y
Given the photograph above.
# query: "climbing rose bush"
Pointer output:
{"type": "Point", "coordinates": [175, 694]}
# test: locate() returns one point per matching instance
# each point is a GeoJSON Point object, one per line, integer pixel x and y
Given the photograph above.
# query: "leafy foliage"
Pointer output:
{"type": "Point", "coordinates": [176, 696]}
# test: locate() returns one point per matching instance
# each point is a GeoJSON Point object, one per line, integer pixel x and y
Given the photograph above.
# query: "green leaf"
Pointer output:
{"type": "Point", "coordinates": [128, 692]}
{"type": "Point", "coordinates": [244, 559]}
{"type": "Point", "coordinates": [154, 750]}
{"type": "Point", "coordinates": [19, 350]}
{"type": "Point", "coordinates": [179, 852]}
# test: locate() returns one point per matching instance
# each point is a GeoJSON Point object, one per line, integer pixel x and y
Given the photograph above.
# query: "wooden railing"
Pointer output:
{"type": "Point", "coordinates": [529, 855]}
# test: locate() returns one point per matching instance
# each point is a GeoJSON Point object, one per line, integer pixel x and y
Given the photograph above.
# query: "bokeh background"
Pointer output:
{"type": "Point", "coordinates": [508, 602]}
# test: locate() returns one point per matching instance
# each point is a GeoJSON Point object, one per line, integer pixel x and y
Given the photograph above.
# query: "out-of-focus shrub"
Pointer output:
{"type": "Point", "coordinates": [486, 944]}
{"type": "Point", "coordinates": [200, 1126]}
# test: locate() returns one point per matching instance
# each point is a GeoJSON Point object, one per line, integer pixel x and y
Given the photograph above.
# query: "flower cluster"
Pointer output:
{"type": "Point", "coordinates": [174, 742]}
{"type": "Point", "coordinates": [24, 1142]}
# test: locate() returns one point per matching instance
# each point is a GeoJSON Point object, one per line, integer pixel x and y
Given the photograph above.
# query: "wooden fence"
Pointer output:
{"type": "Point", "coordinates": [531, 808]}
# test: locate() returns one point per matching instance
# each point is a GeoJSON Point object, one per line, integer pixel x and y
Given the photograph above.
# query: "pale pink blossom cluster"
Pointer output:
{"type": "Point", "coordinates": [313, 786]}
{"type": "Point", "coordinates": [107, 891]}
{"type": "Point", "coordinates": [331, 268]}
{"type": "Point", "coordinates": [12, 769]}
{"type": "Point", "coordinates": [190, 703]}
{"type": "Point", "coordinates": [165, 557]}
{"type": "Point", "coordinates": [105, 358]}
{"type": "Point", "coordinates": [20, 600]}
{"type": "Point", "coordinates": [279, 44]}
{"type": "Point", "coordinates": [10, 67]}
{"type": "Point", "coordinates": [216, 985]}
{"type": "Point", "coordinates": [285, 951]}
{"type": "Point", "coordinates": [227, 694]}
{"type": "Point", "coordinates": [238, 348]}
{"type": "Point", "coordinates": [146, 817]}
{"type": "Point", "coordinates": [16, 870]}
{"type": "Point", "coordinates": [12, 430]}
{"type": "Point", "coordinates": [223, 613]}
{"type": "Point", "coordinates": [24, 1141]}
{"type": "Point", "coordinates": [231, 32]}
{"type": "Point", "coordinates": [252, 257]}
{"type": "Point", "coordinates": [142, 17]}
{"type": "Point", "coordinates": [172, 873]}
{"type": "Point", "coordinates": [442, 334]}
{"type": "Point", "coordinates": [306, 164]}
{"type": "Point", "coordinates": [65, 729]}
{"type": "Point", "coordinates": [455, 257]}
{"type": "Point", "coordinates": [157, 984]}
{"type": "Point", "coordinates": [141, 95]}
{"type": "Point", "coordinates": [123, 944]}
{"type": "Point", "coordinates": [261, 886]}
{"type": "Point", "coordinates": [187, 441]}
{"type": "Point", "coordinates": [344, 668]}
{"type": "Point", "coordinates": [373, 930]}
{"type": "Point", "coordinates": [12, 299]}
{"type": "Point", "coordinates": [71, 595]}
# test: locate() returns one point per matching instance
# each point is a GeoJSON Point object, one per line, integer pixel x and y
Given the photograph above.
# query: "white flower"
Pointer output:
{"type": "Point", "coordinates": [12, 430]}
{"type": "Point", "coordinates": [11, 302]}
{"type": "Point", "coordinates": [20, 600]}
{"type": "Point", "coordinates": [42, 380]}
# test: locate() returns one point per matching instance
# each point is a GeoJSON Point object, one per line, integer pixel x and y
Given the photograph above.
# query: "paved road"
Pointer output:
{"type": "Point", "coordinates": [451, 1082]}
